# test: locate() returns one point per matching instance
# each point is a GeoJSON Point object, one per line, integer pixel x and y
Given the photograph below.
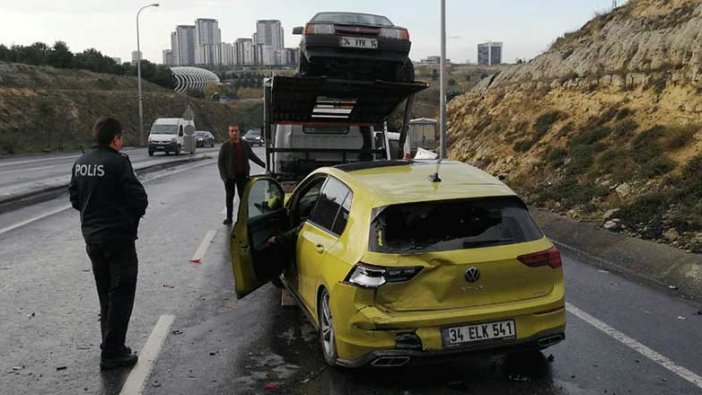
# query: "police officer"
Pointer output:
{"type": "Point", "coordinates": [111, 202]}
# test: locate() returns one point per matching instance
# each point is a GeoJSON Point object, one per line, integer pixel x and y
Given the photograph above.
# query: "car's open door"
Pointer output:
{"type": "Point", "coordinates": [261, 214]}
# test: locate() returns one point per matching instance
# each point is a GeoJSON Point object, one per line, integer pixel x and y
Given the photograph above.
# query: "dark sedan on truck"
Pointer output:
{"type": "Point", "coordinates": [355, 46]}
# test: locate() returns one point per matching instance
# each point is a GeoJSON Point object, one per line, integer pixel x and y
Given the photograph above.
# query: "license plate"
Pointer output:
{"type": "Point", "coordinates": [356, 42]}
{"type": "Point", "coordinates": [478, 332]}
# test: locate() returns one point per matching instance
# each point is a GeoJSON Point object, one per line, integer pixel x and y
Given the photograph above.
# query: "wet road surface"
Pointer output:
{"type": "Point", "coordinates": [220, 345]}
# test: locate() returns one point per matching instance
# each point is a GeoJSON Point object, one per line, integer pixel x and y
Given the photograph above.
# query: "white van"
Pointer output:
{"type": "Point", "coordinates": [168, 135]}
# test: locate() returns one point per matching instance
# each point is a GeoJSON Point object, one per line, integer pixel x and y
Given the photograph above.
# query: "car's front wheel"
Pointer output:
{"type": "Point", "coordinates": [327, 333]}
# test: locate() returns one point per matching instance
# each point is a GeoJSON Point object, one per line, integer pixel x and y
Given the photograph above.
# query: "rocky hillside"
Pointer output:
{"type": "Point", "coordinates": [48, 109]}
{"type": "Point", "coordinates": [605, 127]}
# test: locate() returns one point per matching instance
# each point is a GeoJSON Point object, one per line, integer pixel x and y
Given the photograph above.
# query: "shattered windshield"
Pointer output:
{"type": "Point", "coordinates": [452, 225]}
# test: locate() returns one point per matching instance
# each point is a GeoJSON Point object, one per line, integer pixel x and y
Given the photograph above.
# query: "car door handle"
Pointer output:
{"type": "Point", "coordinates": [319, 248]}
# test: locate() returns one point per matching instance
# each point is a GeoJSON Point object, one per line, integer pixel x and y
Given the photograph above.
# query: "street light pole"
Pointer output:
{"type": "Point", "coordinates": [142, 142]}
{"type": "Point", "coordinates": [442, 82]}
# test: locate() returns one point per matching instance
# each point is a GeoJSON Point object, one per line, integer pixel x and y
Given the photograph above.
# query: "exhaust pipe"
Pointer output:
{"type": "Point", "coordinates": [550, 340]}
{"type": "Point", "coordinates": [390, 362]}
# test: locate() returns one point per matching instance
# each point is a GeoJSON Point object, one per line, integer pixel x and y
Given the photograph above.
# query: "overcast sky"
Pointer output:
{"type": "Point", "coordinates": [526, 27]}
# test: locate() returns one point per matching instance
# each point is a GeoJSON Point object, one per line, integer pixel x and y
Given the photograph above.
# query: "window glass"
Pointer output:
{"type": "Point", "coordinates": [452, 225]}
{"type": "Point", "coordinates": [352, 18]}
{"type": "Point", "coordinates": [264, 197]}
{"type": "Point", "coordinates": [342, 217]}
{"type": "Point", "coordinates": [331, 198]}
{"type": "Point", "coordinates": [164, 129]}
{"type": "Point", "coordinates": [307, 200]}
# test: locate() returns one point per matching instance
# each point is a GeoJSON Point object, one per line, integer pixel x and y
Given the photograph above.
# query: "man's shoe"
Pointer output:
{"type": "Point", "coordinates": [123, 360]}
{"type": "Point", "coordinates": [227, 221]}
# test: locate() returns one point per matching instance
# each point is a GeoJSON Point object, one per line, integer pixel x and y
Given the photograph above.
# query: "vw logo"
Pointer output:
{"type": "Point", "coordinates": [472, 274]}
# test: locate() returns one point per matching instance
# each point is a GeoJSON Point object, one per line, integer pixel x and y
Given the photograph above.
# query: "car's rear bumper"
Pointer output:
{"type": "Point", "coordinates": [326, 46]}
{"type": "Point", "coordinates": [399, 357]}
{"type": "Point", "coordinates": [367, 334]}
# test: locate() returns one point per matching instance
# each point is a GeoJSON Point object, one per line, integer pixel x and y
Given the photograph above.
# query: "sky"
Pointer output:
{"type": "Point", "coordinates": [526, 27]}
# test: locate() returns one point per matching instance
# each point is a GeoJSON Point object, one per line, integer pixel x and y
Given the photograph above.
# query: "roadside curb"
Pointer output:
{"type": "Point", "coordinates": [655, 263]}
{"type": "Point", "coordinates": [20, 200]}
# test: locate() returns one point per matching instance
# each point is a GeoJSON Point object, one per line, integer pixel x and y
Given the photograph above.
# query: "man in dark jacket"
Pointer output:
{"type": "Point", "coordinates": [111, 202]}
{"type": "Point", "coordinates": [234, 168]}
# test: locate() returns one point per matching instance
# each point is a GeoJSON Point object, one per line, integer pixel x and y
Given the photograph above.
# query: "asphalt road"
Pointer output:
{"type": "Point", "coordinates": [32, 172]}
{"type": "Point", "coordinates": [622, 337]}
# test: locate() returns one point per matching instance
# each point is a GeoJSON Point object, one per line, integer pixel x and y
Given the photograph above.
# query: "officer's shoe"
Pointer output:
{"type": "Point", "coordinates": [124, 358]}
{"type": "Point", "coordinates": [227, 221]}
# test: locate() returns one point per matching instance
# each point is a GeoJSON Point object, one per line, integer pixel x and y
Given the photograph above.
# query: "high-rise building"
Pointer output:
{"type": "Point", "coordinates": [168, 57]}
{"type": "Point", "coordinates": [244, 51]}
{"type": "Point", "coordinates": [224, 54]}
{"type": "Point", "coordinates": [207, 36]}
{"type": "Point", "coordinates": [174, 49]}
{"type": "Point", "coordinates": [269, 32]}
{"type": "Point", "coordinates": [490, 53]}
{"type": "Point", "coordinates": [136, 55]}
{"type": "Point", "coordinates": [184, 55]}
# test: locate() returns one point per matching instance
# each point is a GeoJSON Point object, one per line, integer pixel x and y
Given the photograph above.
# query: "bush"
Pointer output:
{"type": "Point", "coordinates": [523, 145]}
{"type": "Point", "coordinates": [624, 129]}
{"type": "Point", "coordinates": [591, 136]}
{"type": "Point", "coordinates": [678, 137]}
{"type": "Point", "coordinates": [646, 145]}
{"type": "Point", "coordinates": [581, 158]}
{"type": "Point", "coordinates": [570, 193]}
{"type": "Point", "coordinates": [647, 208]}
{"type": "Point", "coordinates": [556, 157]}
{"type": "Point", "coordinates": [544, 122]}
{"type": "Point", "coordinates": [657, 166]}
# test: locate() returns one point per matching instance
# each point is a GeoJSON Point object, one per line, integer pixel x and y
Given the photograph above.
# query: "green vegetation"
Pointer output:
{"type": "Point", "coordinates": [59, 56]}
{"type": "Point", "coordinates": [570, 193]}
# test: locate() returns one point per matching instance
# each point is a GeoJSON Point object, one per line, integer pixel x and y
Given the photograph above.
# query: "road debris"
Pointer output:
{"type": "Point", "coordinates": [673, 287]}
{"type": "Point", "coordinates": [550, 358]}
{"type": "Point", "coordinates": [271, 386]}
{"type": "Point", "coordinates": [31, 315]}
{"type": "Point", "coordinates": [196, 261]}
{"type": "Point", "coordinates": [168, 286]}
{"type": "Point", "coordinates": [177, 332]}
{"type": "Point", "coordinates": [61, 368]}
{"type": "Point", "coordinates": [681, 317]}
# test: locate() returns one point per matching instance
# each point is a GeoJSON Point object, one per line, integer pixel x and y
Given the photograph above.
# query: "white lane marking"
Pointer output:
{"type": "Point", "coordinates": [37, 218]}
{"type": "Point", "coordinates": [29, 168]}
{"type": "Point", "coordinates": [636, 346]}
{"type": "Point", "coordinates": [204, 245]}
{"type": "Point", "coordinates": [22, 162]}
{"type": "Point", "coordinates": [66, 207]}
{"type": "Point", "coordinates": [140, 372]}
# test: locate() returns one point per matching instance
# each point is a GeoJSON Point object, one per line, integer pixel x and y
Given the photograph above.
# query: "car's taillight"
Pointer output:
{"type": "Point", "coordinates": [397, 34]}
{"type": "Point", "coordinates": [550, 257]}
{"type": "Point", "coordinates": [317, 28]}
{"type": "Point", "coordinates": [369, 276]}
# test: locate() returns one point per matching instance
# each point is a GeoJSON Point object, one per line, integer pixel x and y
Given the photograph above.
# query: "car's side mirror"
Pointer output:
{"type": "Point", "coordinates": [297, 30]}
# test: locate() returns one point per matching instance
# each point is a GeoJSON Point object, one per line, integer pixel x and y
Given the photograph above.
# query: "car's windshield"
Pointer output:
{"type": "Point", "coordinates": [200, 134]}
{"type": "Point", "coordinates": [164, 129]}
{"type": "Point", "coordinates": [452, 225]}
{"type": "Point", "coordinates": [253, 133]}
{"type": "Point", "coordinates": [349, 18]}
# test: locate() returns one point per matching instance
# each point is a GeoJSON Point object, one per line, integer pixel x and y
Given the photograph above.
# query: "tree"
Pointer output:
{"type": "Point", "coordinates": [60, 56]}
{"type": "Point", "coordinates": [5, 53]}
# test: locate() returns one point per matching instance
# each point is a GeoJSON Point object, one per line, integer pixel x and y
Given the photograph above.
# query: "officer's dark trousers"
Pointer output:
{"type": "Point", "coordinates": [229, 184]}
{"type": "Point", "coordinates": [115, 268]}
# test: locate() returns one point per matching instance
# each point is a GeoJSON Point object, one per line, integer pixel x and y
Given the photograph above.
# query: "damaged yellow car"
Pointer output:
{"type": "Point", "coordinates": [395, 261]}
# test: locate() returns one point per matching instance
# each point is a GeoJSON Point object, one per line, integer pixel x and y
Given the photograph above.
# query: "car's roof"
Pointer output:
{"type": "Point", "coordinates": [393, 182]}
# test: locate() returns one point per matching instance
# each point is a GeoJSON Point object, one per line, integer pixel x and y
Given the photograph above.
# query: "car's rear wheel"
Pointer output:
{"type": "Point", "coordinates": [405, 72]}
{"type": "Point", "coordinates": [304, 67]}
{"type": "Point", "coordinates": [177, 151]}
{"type": "Point", "coordinates": [327, 333]}
{"type": "Point", "coordinates": [151, 153]}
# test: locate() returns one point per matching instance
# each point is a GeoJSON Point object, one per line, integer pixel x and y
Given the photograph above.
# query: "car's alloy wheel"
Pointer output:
{"type": "Point", "coordinates": [327, 334]}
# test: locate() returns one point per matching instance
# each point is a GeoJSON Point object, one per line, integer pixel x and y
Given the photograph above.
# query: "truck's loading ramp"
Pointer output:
{"type": "Point", "coordinates": [311, 100]}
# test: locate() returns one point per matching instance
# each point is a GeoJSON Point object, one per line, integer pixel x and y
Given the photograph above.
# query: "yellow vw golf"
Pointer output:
{"type": "Point", "coordinates": [398, 260]}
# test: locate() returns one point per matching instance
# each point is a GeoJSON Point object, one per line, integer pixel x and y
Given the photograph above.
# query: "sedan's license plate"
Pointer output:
{"type": "Point", "coordinates": [356, 42]}
{"type": "Point", "coordinates": [478, 332]}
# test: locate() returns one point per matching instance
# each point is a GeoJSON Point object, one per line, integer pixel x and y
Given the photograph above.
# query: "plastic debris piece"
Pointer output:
{"type": "Point", "coordinates": [177, 332]}
{"type": "Point", "coordinates": [31, 315]}
{"type": "Point", "coordinates": [168, 286]}
{"type": "Point", "coordinates": [196, 261]}
{"type": "Point", "coordinates": [305, 381]}
{"type": "Point", "coordinates": [17, 367]}
{"type": "Point", "coordinates": [212, 353]}
{"type": "Point", "coordinates": [61, 368]}
{"type": "Point", "coordinates": [550, 358]}
{"type": "Point", "coordinates": [699, 312]}
{"type": "Point", "coordinates": [271, 386]}
{"type": "Point", "coordinates": [673, 287]}
{"type": "Point", "coordinates": [603, 271]}
{"type": "Point", "coordinates": [681, 317]}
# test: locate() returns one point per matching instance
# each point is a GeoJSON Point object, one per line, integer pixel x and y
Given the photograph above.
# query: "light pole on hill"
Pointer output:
{"type": "Point", "coordinates": [141, 98]}
{"type": "Point", "coordinates": [442, 82]}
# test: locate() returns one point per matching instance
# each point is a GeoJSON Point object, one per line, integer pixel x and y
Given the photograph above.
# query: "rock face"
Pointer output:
{"type": "Point", "coordinates": [608, 118]}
